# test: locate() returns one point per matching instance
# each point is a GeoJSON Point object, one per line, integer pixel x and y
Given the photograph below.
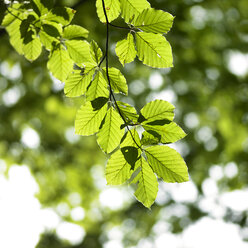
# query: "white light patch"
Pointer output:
{"type": "Point", "coordinates": [77, 214]}
{"type": "Point", "coordinates": [72, 233]}
{"type": "Point", "coordinates": [216, 172]}
{"type": "Point", "coordinates": [204, 134]}
{"type": "Point", "coordinates": [236, 200]}
{"type": "Point", "coordinates": [191, 120]}
{"type": "Point", "coordinates": [11, 96]}
{"type": "Point", "coordinates": [114, 198]}
{"type": "Point", "coordinates": [71, 136]}
{"type": "Point", "coordinates": [183, 192]}
{"type": "Point", "coordinates": [11, 72]}
{"type": "Point", "coordinates": [167, 240]}
{"type": "Point", "coordinates": [155, 81]}
{"type": "Point", "coordinates": [168, 95]}
{"type": "Point", "coordinates": [136, 87]}
{"type": "Point", "coordinates": [3, 166]}
{"type": "Point", "coordinates": [57, 84]}
{"type": "Point", "coordinates": [30, 138]}
{"type": "Point", "coordinates": [209, 187]}
{"type": "Point", "coordinates": [113, 244]}
{"type": "Point", "coordinates": [231, 170]}
{"type": "Point", "coordinates": [199, 17]}
{"type": "Point", "coordinates": [238, 63]}
{"type": "Point", "coordinates": [19, 209]}
{"type": "Point", "coordinates": [207, 233]}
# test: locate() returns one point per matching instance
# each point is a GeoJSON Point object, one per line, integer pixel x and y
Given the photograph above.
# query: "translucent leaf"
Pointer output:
{"type": "Point", "coordinates": [167, 164]}
{"type": "Point", "coordinates": [9, 18]}
{"type": "Point", "coordinates": [117, 80]}
{"type": "Point", "coordinates": [132, 8]}
{"type": "Point", "coordinates": [98, 87]}
{"type": "Point", "coordinates": [60, 64]}
{"type": "Point", "coordinates": [131, 138]}
{"type": "Point", "coordinates": [62, 15]}
{"type": "Point", "coordinates": [157, 110]}
{"type": "Point", "coordinates": [95, 51]}
{"type": "Point", "coordinates": [79, 50]}
{"type": "Point", "coordinates": [118, 170]}
{"type": "Point", "coordinates": [13, 30]}
{"type": "Point", "coordinates": [167, 133]}
{"type": "Point", "coordinates": [154, 21]}
{"type": "Point", "coordinates": [150, 138]}
{"type": "Point", "coordinates": [147, 189]}
{"type": "Point", "coordinates": [52, 29]}
{"type": "Point", "coordinates": [77, 83]}
{"type": "Point", "coordinates": [112, 8]}
{"type": "Point", "coordinates": [47, 40]}
{"type": "Point", "coordinates": [125, 50]}
{"type": "Point", "coordinates": [88, 118]}
{"type": "Point", "coordinates": [154, 50]}
{"type": "Point", "coordinates": [42, 7]}
{"type": "Point", "coordinates": [75, 31]}
{"type": "Point", "coordinates": [32, 49]}
{"type": "Point", "coordinates": [110, 134]}
{"type": "Point", "coordinates": [128, 112]}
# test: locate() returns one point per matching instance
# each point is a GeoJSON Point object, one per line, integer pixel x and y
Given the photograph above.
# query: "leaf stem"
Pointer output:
{"type": "Point", "coordinates": [111, 94]}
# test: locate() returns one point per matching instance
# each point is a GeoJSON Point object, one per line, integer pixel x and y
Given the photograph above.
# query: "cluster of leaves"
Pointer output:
{"type": "Point", "coordinates": [134, 158]}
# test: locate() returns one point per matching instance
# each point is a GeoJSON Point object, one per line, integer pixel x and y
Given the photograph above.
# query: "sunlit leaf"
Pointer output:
{"type": "Point", "coordinates": [128, 111]}
{"type": "Point", "coordinates": [125, 50]}
{"type": "Point", "coordinates": [154, 21]}
{"type": "Point", "coordinates": [32, 49]}
{"type": "Point", "coordinates": [167, 164]}
{"type": "Point", "coordinates": [110, 134]}
{"type": "Point", "coordinates": [154, 50]}
{"type": "Point", "coordinates": [75, 31]}
{"type": "Point", "coordinates": [95, 51]}
{"type": "Point", "coordinates": [88, 119]}
{"type": "Point", "coordinates": [112, 8]}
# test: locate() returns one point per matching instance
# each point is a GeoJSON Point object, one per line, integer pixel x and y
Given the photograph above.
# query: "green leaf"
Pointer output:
{"type": "Point", "coordinates": [154, 50]}
{"type": "Point", "coordinates": [62, 15]}
{"type": "Point", "coordinates": [167, 164]}
{"type": "Point", "coordinates": [131, 138]}
{"type": "Point", "coordinates": [77, 83]}
{"type": "Point", "coordinates": [148, 185]}
{"type": "Point", "coordinates": [47, 40]}
{"type": "Point", "coordinates": [32, 49]}
{"type": "Point", "coordinates": [60, 64]}
{"type": "Point", "coordinates": [52, 29]}
{"type": "Point", "coordinates": [42, 7]}
{"type": "Point", "coordinates": [118, 170]}
{"type": "Point", "coordinates": [98, 87]}
{"type": "Point", "coordinates": [79, 50]}
{"type": "Point", "coordinates": [125, 50]}
{"type": "Point", "coordinates": [88, 119]}
{"type": "Point", "coordinates": [110, 134]}
{"type": "Point", "coordinates": [95, 51]}
{"type": "Point", "coordinates": [132, 8]}
{"type": "Point", "coordinates": [150, 138]}
{"type": "Point", "coordinates": [112, 8]}
{"type": "Point", "coordinates": [168, 133]}
{"type": "Point", "coordinates": [117, 80]}
{"type": "Point", "coordinates": [157, 110]}
{"type": "Point", "coordinates": [13, 30]}
{"type": "Point", "coordinates": [9, 18]}
{"type": "Point", "coordinates": [154, 21]}
{"type": "Point", "coordinates": [74, 32]}
{"type": "Point", "coordinates": [128, 112]}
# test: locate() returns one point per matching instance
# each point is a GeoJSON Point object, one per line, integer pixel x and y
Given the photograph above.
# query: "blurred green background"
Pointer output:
{"type": "Point", "coordinates": [75, 209]}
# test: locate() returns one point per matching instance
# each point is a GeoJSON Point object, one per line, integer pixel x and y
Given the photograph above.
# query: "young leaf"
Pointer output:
{"type": "Point", "coordinates": [128, 111]}
{"type": "Point", "coordinates": [154, 50]}
{"type": "Point", "coordinates": [32, 49]}
{"type": "Point", "coordinates": [118, 170]}
{"type": "Point", "coordinates": [62, 15]}
{"type": "Point", "coordinates": [117, 80]}
{"type": "Point", "coordinates": [95, 51]}
{"type": "Point", "coordinates": [77, 83]}
{"type": "Point", "coordinates": [88, 119]}
{"type": "Point", "coordinates": [10, 17]}
{"type": "Point", "coordinates": [167, 164]}
{"type": "Point", "coordinates": [41, 7]}
{"type": "Point", "coordinates": [74, 32]}
{"type": "Point", "coordinates": [98, 87]}
{"type": "Point", "coordinates": [112, 8]}
{"type": "Point", "coordinates": [150, 138]}
{"type": "Point", "coordinates": [52, 29]}
{"type": "Point", "coordinates": [60, 64]}
{"type": "Point", "coordinates": [168, 133]}
{"type": "Point", "coordinates": [79, 50]}
{"type": "Point", "coordinates": [148, 185]}
{"type": "Point", "coordinates": [47, 40]}
{"type": "Point", "coordinates": [157, 110]}
{"type": "Point", "coordinates": [132, 8]}
{"type": "Point", "coordinates": [125, 50]}
{"type": "Point", "coordinates": [110, 134]}
{"type": "Point", "coordinates": [131, 138]}
{"type": "Point", "coordinates": [154, 21]}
